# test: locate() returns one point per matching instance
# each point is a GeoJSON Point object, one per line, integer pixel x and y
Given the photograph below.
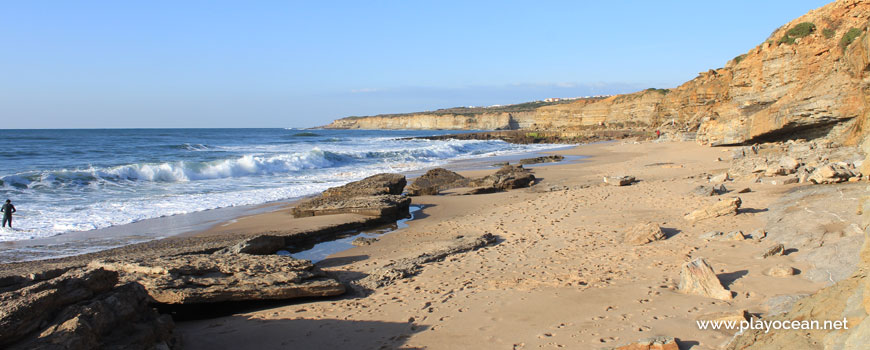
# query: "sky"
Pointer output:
{"type": "Point", "coordinates": [171, 64]}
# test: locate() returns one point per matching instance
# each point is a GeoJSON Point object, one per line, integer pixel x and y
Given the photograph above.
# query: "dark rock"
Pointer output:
{"type": "Point", "coordinates": [508, 177]}
{"type": "Point", "coordinates": [544, 159]}
{"type": "Point", "coordinates": [211, 278]}
{"type": "Point", "coordinates": [26, 309]}
{"type": "Point", "coordinates": [387, 207]}
{"type": "Point", "coordinates": [117, 319]}
{"type": "Point", "coordinates": [436, 180]}
{"type": "Point", "coordinates": [712, 190]}
{"type": "Point", "coordinates": [484, 190]}
{"type": "Point", "coordinates": [377, 195]}
{"type": "Point", "coordinates": [260, 245]}
{"type": "Point", "coordinates": [371, 186]}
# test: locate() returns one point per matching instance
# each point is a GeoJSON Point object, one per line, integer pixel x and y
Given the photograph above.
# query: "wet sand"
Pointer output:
{"type": "Point", "coordinates": [558, 277]}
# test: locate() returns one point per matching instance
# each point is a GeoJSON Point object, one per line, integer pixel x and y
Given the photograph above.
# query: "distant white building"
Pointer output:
{"type": "Point", "coordinates": [552, 99]}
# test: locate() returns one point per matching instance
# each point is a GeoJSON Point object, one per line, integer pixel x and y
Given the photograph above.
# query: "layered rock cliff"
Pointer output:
{"type": "Point", "coordinates": [807, 80]}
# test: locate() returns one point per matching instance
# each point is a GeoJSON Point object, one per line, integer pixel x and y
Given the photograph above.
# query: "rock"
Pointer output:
{"type": "Point", "coordinates": [436, 180]}
{"type": "Point", "coordinates": [364, 241]}
{"type": "Point", "coordinates": [404, 268]}
{"type": "Point", "coordinates": [830, 173]}
{"type": "Point", "coordinates": [260, 245]}
{"type": "Point", "coordinates": [697, 278]}
{"type": "Point", "coordinates": [779, 271]}
{"type": "Point", "coordinates": [724, 207]}
{"type": "Point", "coordinates": [211, 278]}
{"type": "Point", "coordinates": [789, 164]}
{"type": "Point", "coordinates": [377, 195]}
{"type": "Point", "coordinates": [734, 236]}
{"type": "Point", "coordinates": [374, 185]}
{"type": "Point", "coordinates": [758, 234]}
{"type": "Point", "coordinates": [720, 178]}
{"type": "Point", "coordinates": [619, 180]}
{"type": "Point", "coordinates": [508, 177]}
{"type": "Point", "coordinates": [544, 159]}
{"type": "Point", "coordinates": [117, 319]}
{"type": "Point", "coordinates": [483, 190]}
{"type": "Point", "coordinates": [707, 191]}
{"type": "Point", "coordinates": [28, 308]}
{"type": "Point", "coordinates": [387, 207]}
{"type": "Point", "coordinates": [644, 233]}
{"type": "Point", "coordinates": [745, 190]}
{"type": "Point", "coordinates": [654, 343]}
{"type": "Point", "coordinates": [775, 250]}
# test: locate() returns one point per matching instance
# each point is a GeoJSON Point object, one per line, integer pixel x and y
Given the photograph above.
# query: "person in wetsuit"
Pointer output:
{"type": "Point", "coordinates": [7, 210]}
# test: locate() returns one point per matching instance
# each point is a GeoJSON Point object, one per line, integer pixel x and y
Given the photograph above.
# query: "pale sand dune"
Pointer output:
{"type": "Point", "coordinates": [560, 275]}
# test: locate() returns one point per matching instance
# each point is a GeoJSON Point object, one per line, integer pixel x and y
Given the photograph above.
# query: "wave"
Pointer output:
{"type": "Point", "coordinates": [248, 165]}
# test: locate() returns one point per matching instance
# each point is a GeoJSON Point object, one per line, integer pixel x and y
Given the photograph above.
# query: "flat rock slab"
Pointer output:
{"type": "Point", "coordinates": [371, 186]}
{"type": "Point", "coordinates": [387, 207]}
{"type": "Point", "coordinates": [724, 207]}
{"type": "Point", "coordinates": [697, 278]}
{"type": "Point", "coordinates": [206, 278]}
{"type": "Point", "coordinates": [407, 267]}
{"type": "Point", "coordinates": [545, 159]}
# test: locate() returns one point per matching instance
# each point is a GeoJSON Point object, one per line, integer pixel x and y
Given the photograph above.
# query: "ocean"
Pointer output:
{"type": "Point", "coordinates": [65, 181]}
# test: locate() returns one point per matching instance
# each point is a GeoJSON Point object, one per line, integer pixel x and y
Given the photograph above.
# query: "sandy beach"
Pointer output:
{"type": "Point", "coordinates": [559, 275]}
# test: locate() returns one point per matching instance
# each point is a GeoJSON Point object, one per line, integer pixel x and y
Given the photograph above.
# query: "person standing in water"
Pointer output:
{"type": "Point", "coordinates": [7, 210]}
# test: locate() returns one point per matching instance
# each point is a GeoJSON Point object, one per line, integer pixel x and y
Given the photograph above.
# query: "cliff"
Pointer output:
{"type": "Point", "coordinates": [807, 80]}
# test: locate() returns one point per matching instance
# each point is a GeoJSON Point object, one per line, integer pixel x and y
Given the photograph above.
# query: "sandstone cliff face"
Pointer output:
{"type": "Point", "coordinates": [423, 121]}
{"type": "Point", "coordinates": [813, 87]}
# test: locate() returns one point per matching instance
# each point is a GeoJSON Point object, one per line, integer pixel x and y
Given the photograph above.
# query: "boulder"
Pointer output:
{"type": "Point", "coordinates": [386, 207]}
{"type": "Point", "coordinates": [260, 245]}
{"type": "Point", "coordinates": [736, 316]}
{"type": "Point", "coordinates": [619, 180]}
{"type": "Point", "coordinates": [654, 343]}
{"type": "Point", "coordinates": [436, 180]}
{"type": "Point", "coordinates": [371, 186]}
{"type": "Point", "coordinates": [364, 241]}
{"type": "Point", "coordinates": [832, 173]}
{"type": "Point", "coordinates": [544, 159]}
{"type": "Point", "coordinates": [211, 278]}
{"type": "Point", "coordinates": [644, 233]}
{"type": "Point", "coordinates": [789, 164]}
{"type": "Point", "coordinates": [697, 277]}
{"type": "Point", "coordinates": [780, 271]}
{"type": "Point", "coordinates": [722, 236]}
{"type": "Point", "coordinates": [118, 319]}
{"type": "Point", "coordinates": [724, 207]}
{"type": "Point", "coordinates": [407, 267]}
{"type": "Point", "coordinates": [508, 177]}
{"type": "Point", "coordinates": [28, 308]}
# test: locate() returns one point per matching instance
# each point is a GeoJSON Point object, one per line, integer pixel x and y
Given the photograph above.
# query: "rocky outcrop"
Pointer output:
{"type": "Point", "coordinates": [260, 245]}
{"type": "Point", "coordinates": [378, 196]}
{"type": "Point", "coordinates": [404, 268]}
{"type": "Point", "coordinates": [724, 207]}
{"type": "Point", "coordinates": [212, 278]}
{"type": "Point", "coordinates": [436, 180]}
{"type": "Point", "coordinates": [641, 234]}
{"type": "Point", "coordinates": [81, 309]}
{"type": "Point", "coordinates": [697, 277]}
{"type": "Point", "coordinates": [508, 177]}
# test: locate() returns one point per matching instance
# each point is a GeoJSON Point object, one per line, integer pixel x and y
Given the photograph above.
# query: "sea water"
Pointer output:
{"type": "Point", "coordinates": [64, 181]}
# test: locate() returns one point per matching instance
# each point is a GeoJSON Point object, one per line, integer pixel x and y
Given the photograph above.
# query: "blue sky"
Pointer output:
{"type": "Point", "coordinates": [109, 64]}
